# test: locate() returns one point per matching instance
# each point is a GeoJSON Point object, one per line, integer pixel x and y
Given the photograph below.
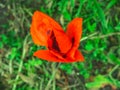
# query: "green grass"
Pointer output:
{"type": "Point", "coordinates": [100, 45]}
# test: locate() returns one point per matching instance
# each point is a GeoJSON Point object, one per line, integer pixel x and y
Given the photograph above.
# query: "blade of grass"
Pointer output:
{"type": "Point", "coordinates": [54, 69]}
{"type": "Point", "coordinates": [93, 36]}
{"type": "Point", "coordinates": [97, 9]}
{"type": "Point", "coordinates": [21, 62]}
{"type": "Point", "coordinates": [110, 4]}
{"type": "Point", "coordinates": [80, 7]}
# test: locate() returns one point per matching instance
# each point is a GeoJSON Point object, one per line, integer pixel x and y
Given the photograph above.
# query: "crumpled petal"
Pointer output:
{"type": "Point", "coordinates": [56, 57]}
{"type": "Point", "coordinates": [63, 41]}
{"type": "Point", "coordinates": [41, 26]}
{"type": "Point", "coordinates": [78, 56]}
{"type": "Point", "coordinates": [50, 56]}
{"type": "Point", "coordinates": [47, 55]}
{"type": "Point", "coordinates": [74, 32]}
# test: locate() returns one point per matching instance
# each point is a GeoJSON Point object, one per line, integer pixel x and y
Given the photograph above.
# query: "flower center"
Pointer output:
{"type": "Point", "coordinates": [52, 43]}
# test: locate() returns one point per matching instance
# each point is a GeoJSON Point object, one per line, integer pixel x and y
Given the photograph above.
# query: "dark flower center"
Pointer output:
{"type": "Point", "coordinates": [52, 43]}
{"type": "Point", "coordinates": [73, 40]}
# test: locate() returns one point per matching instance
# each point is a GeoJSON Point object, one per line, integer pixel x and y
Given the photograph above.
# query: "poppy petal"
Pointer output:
{"type": "Point", "coordinates": [63, 41]}
{"type": "Point", "coordinates": [41, 25]}
{"type": "Point", "coordinates": [38, 34]}
{"type": "Point", "coordinates": [47, 55]}
{"type": "Point", "coordinates": [74, 32]}
{"type": "Point", "coordinates": [78, 56]}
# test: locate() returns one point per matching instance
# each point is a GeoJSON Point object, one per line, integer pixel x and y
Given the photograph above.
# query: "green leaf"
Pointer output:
{"type": "Point", "coordinates": [66, 67]}
{"type": "Point", "coordinates": [111, 3]}
{"type": "Point", "coordinates": [91, 27]}
{"type": "Point", "coordinates": [13, 53]}
{"type": "Point", "coordinates": [35, 62]}
{"type": "Point", "coordinates": [89, 46]}
{"type": "Point", "coordinates": [85, 73]}
{"type": "Point", "coordinates": [3, 39]}
{"type": "Point", "coordinates": [118, 27]}
{"type": "Point", "coordinates": [67, 15]}
{"type": "Point", "coordinates": [113, 58]}
{"type": "Point", "coordinates": [98, 82]}
{"type": "Point", "coordinates": [97, 9]}
{"type": "Point", "coordinates": [80, 7]}
{"type": "Point", "coordinates": [72, 2]}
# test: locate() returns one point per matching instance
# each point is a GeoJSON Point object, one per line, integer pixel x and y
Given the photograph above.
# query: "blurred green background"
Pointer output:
{"type": "Point", "coordinates": [100, 45]}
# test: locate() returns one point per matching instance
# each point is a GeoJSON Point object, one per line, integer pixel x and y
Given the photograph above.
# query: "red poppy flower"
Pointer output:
{"type": "Point", "coordinates": [61, 46]}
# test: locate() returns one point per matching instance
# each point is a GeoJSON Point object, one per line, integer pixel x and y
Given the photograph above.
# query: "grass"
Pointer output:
{"type": "Point", "coordinates": [100, 44]}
